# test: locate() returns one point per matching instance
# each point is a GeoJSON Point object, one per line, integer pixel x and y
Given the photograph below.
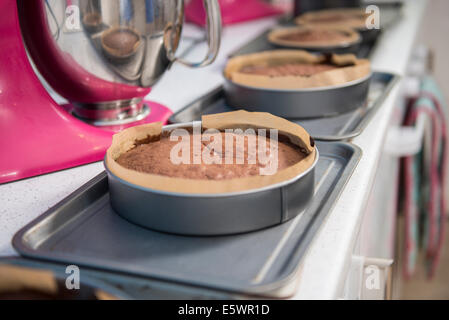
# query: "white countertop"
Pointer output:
{"type": "Point", "coordinates": [328, 258]}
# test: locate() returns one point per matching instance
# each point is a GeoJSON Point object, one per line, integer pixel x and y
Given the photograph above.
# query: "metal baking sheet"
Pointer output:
{"type": "Point", "coordinates": [389, 13]}
{"type": "Point", "coordinates": [340, 127]}
{"type": "Point", "coordinates": [83, 230]}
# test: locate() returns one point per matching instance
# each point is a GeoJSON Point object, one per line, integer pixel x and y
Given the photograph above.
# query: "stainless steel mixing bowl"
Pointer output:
{"type": "Point", "coordinates": [104, 55]}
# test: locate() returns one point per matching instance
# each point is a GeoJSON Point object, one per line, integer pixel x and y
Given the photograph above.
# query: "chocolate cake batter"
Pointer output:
{"type": "Point", "coordinates": [121, 40]}
{"type": "Point", "coordinates": [337, 17]}
{"type": "Point", "coordinates": [154, 158]}
{"type": "Point", "coordinates": [92, 19]}
{"type": "Point", "coordinates": [315, 35]}
{"type": "Point", "coordinates": [288, 69]}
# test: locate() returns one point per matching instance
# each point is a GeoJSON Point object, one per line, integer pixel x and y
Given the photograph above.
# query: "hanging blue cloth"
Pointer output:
{"type": "Point", "coordinates": [126, 10]}
{"type": "Point", "coordinates": [149, 11]}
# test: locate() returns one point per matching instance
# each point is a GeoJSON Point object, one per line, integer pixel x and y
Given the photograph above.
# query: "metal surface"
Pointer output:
{"type": "Point", "coordinates": [301, 103]}
{"type": "Point", "coordinates": [212, 214]}
{"type": "Point", "coordinates": [84, 230]}
{"type": "Point", "coordinates": [108, 51]}
{"type": "Point", "coordinates": [112, 113]}
{"type": "Point", "coordinates": [340, 127]}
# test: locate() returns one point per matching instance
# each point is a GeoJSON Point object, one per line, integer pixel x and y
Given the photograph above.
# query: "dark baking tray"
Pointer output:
{"type": "Point", "coordinates": [389, 14]}
{"type": "Point", "coordinates": [83, 230]}
{"type": "Point", "coordinates": [340, 127]}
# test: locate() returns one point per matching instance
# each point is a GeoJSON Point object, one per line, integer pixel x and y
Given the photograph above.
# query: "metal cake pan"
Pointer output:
{"type": "Point", "coordinates": [211, 214]}
{"type": "Point", "coordinates": [340, 49]}
{"type": "Point", "coordinates": [349, 47]}
{"type": "Point", "coordinates": [299, 104]}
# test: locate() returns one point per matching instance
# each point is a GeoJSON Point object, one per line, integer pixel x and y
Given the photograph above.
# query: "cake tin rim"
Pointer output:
{"type": "Point", "coordinates": [213, 195]}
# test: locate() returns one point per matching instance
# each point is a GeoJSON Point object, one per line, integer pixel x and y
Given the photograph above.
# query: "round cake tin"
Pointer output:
{"type": "Point", "coordinates": [349, 47]}
{"type": "Point", "coordinates": [211, 214]}
{"type": "Point", "coordinates": [340, 49]}
{"type": "Point", "coordinates": [299, 103]}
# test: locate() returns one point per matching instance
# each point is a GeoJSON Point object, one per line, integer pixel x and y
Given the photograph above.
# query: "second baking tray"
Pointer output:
{"type": "Point", "coordinates": [340, 127]}
{"type": "Point", "coordinates": [85, 231]}
{"type": "Point", "coordinates": [389, 13]}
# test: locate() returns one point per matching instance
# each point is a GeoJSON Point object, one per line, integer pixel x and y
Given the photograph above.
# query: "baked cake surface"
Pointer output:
{"type": "Point", "coordinates": [312, 35]}
{"type": "Point", "coordinates": [155, 158]}
{"type": "Point", "coordinates": [288, 69]}
{"type": "Point", "coordinates": [348, 17]}
{"type": "Point", "coordinates": [295, 69]}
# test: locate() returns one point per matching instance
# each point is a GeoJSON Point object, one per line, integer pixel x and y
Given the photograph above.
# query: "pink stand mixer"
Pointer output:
{"type": "Point", "coordinates": [101, 55]}
{"type": "Point", "coordinates": [232, 11]}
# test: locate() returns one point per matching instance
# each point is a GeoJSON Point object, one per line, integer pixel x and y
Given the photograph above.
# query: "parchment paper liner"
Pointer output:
{"type": "Point", "coordinates": [349, 22]}
{"type": "Point", "coordinates": [125, 140]}
{"type": "Point", "coordinates": [275, 37]}
{"type": "Point", "coordinates": [14, 279]}
{"type": "Point", "coordinates": [352, 69]}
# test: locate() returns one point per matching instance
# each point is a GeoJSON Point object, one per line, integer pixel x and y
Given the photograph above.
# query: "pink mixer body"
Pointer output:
{"type": "Point", "coordinates": [232, 11]}
{"type": "Point", "coordinates": [37, 135]}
